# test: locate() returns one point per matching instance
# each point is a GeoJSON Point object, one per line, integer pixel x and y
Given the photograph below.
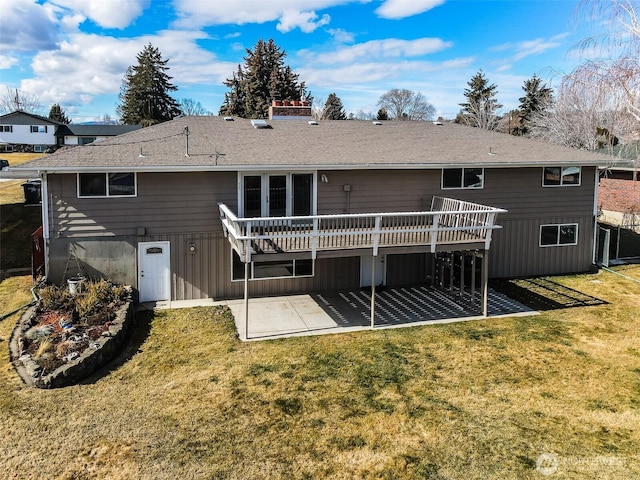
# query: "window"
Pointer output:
{"type": "Point", "coordinates": [560, 176]}
{"type": "Point", "coordinates": [276, 195]}
{"type": "Point", "coordinates": [40, 148]}
{"type": "Point", "coordinates": [300, 267]}
{"type": "Point", "coordinates": [107, 185]}
{"type": "Point", "coordinates": [38, 129]}
{"type": "Point", "coordinates": [6, 128]}
{"type": "Point", "coordinates": [462, 178]}
{"type": "Point", "coordinates": [558, 235]}
{"type": "Point", "coordinates": [85, 140]}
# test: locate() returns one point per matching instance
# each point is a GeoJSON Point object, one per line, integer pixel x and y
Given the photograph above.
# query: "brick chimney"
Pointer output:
{"type": "Point", "coordinates": [293, 110]}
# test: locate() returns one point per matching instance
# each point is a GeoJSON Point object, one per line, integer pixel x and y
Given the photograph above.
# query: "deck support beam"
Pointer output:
{"type": "Point", "coordinates": [246, 300]}
{"type": "Point", "coordinates": [373, 291]}
{"type": "Point", "coordinates": [485, 283]}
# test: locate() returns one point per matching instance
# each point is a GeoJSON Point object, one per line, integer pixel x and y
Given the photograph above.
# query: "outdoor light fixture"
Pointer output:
{"type": "Point", "coordinates": [192, 248]}
{"type": "Point", "coordinates": [324, 179]}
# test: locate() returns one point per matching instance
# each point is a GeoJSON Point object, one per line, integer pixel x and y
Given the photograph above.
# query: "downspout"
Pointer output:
{"type": "Point", "coordinates": [44, 194]}
{"type": "Point", "coordinates": [594, 247]}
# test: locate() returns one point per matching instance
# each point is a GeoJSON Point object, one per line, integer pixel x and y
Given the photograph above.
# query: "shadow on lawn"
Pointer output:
{"type": "Point", "coordinates": [543, 294]}
{"type": "Point", "coordinates": [138, 333]}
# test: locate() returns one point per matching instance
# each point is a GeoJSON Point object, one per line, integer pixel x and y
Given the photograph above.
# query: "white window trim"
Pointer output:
{"type": "Point", "coordinates": [559, 225]}
{"type": "Point", "coordinates": [562, 167]}
{"type": "Point", "coordinates": [265, 187]}
{"type": "Point", "coordinates": [462, 187]}
{"type": "Point", "coordinates": [135, 186]}
{"type": "Point", "coordinates": [251, 271]}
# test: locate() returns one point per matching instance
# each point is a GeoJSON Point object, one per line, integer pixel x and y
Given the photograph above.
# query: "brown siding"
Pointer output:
{"type": "Point", "coordinates": [518, 190]}
{"type": "Point", "coordinates": [182, 208]}
{"type": "Point", "coordinates": [166, 203]}
{"type": "Point", "coordinates": [406, 269]}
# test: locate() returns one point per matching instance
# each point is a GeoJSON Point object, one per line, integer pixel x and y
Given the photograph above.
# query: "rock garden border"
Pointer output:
{"type": "Point", "coordinates": [76, 367]}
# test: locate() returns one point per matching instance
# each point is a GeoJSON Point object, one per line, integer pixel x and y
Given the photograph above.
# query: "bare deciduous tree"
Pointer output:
{"type": "Point", "coordinates": [577, 116]}
{"type": "Point", "coordinates": [190, 107]}
{"type": "Point", "coordinates": [13, 99]}
{"type": "Point", "coordinates": [403, 104]}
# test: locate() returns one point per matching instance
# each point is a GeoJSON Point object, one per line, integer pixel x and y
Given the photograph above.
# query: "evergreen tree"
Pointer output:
{"type": "Point", "coordinates": [56, 113]}
{"type": "Point", "coordinates": [263, 78]}
{"type": "Point", "coordinates": [333, 109]}
{"type": "Point", "coordinates": [537, 99]}
{"type": "Point", "coordinates": [144, 94]}
{"type": "Point", "coordinates": [480, 109]}
{"type": "Point", "coordinates": [382, 114]}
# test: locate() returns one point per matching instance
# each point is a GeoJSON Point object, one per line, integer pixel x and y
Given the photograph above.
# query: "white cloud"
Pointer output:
{"type": "Point", "coordinates": [86, 65]}
{"type": "Point", "coordinates": [340, 35]}
{"type": "Point", "coordinates": [38, 32]}
{"type": "Point", "coordinates": [362, 74]}
{"type": "Point", "coordinates": [106, 13]}
{"type": "Point", "coordinates": [387, 48]}
{"type": "Point", "coordinates": [521, 50]}
{"type": "Point", "coordinates": [395, 9]}
{"type": "Point", "coordinates": [7, 61]}
{"type": "Point", "coordinates": [196, 13]}
{"type": "Point", "coordinates": [305, 21]}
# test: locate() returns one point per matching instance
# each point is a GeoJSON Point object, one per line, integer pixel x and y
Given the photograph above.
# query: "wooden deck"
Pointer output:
{"type": "Point", "coordinates": [449, 222]}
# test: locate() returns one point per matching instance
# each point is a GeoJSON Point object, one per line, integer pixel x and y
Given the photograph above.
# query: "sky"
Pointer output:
{"type": "Point", "coordinates": [76, 52]}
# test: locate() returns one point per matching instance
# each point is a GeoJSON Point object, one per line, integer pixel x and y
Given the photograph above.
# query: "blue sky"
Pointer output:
{"type": "Point", "coordinates": [75, 52]}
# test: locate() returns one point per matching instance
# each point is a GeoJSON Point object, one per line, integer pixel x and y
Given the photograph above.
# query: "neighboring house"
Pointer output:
{"type": "Point", "coordinates": [22, 131]}
{"type": "Point", "coordinates": [74, 134]}
{"type": "Point", "coordinates": [211, 207]}
{"type": "Point", "coordinates": [619, 193]}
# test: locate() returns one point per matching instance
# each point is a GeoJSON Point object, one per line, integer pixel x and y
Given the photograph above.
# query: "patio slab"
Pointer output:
{"type": "Point", "coordinates": [346, 311]}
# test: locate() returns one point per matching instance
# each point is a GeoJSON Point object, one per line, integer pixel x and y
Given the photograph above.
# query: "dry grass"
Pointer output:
{"type": "Point", "coordinates": [469, 400]}
{"type": "Point", "coordinates": [16, 220]}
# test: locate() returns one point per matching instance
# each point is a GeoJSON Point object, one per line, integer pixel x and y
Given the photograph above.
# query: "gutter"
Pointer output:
{"type": "Point", "coordinates": [289, 167]}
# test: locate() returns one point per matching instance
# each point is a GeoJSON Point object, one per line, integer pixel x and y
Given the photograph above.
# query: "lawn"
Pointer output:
{"type": "Point", "coordinates": [472, 400]}
{"type": "Point", "coordinates": [17, 221]}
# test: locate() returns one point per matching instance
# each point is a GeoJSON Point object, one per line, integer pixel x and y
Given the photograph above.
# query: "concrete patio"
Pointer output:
{"type": "Point", "coordinates": [348, 311]}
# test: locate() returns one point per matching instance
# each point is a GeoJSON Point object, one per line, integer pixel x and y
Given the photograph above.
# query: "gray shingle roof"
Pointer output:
{"type": "Point", "coordinates": [216, 144]}
{"type": "Point", "coordinates": [96, 130]}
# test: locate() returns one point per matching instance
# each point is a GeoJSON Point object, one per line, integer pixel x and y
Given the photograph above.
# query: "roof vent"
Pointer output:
{"type": "Point", "coordinates": [228, 119]}
{"type": "Point", "coordinates": [313, 122]}
{"type": "Point", "coordinates": [376, 122]}
{"type": "Point", "coordinates": [437, 123]}
{"type": "Point", "coordinates": [259, 123]}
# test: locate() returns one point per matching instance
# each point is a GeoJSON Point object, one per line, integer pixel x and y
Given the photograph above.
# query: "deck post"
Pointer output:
{"type": "Point", "coordinates": [373, 291]}
{"type": "Point", "coordinates": [461, 274]}
{"type": "Point", "coordinates": [485, 284]}
{"type": "Point", "coordinates": [246, 300]}
{"type": "Point", "coordinates": [473, 277]}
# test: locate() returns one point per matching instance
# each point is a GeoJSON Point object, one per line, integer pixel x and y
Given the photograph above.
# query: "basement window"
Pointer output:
{"type": "Point", "coordinates": [289, 268]}
{"type": "Point", "coordinates": [458, 178]}
{"type": "Point", "coordinates": [107, 185]}
{"type": "Point", "coordinates": [558, 235]}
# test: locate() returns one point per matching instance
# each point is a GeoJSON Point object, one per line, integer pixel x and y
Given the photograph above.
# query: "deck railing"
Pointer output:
{"type": "Point", "coordinates": [450, 221]}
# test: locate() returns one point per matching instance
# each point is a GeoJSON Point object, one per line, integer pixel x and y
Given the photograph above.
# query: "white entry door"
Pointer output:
{"type": "Point", "coordinates": [365, 270]}
{"type": "Point", "coordinates": [154, 273]}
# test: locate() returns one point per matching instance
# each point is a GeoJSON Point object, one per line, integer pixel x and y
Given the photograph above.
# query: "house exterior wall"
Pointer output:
{"type": "Point", "coordinates": [182, 208]}
{"type": "Point", "coordinates": [22, 134]}
{"type": "Point", "coordinates": [75, 140]}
